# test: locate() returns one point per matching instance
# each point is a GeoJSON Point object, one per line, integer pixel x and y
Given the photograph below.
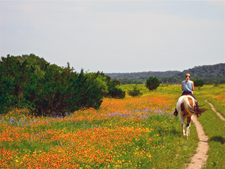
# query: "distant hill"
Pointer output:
{"type": "Point", "coordinates": [141, 75]}
{"type": "Point", "coordinates": [208, 73]}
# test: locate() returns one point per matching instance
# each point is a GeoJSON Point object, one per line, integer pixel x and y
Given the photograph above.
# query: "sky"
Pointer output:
{"type": "Point", "coordinates": [116, 36]}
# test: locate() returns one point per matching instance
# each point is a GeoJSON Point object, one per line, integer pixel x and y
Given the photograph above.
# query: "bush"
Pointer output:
{"type": "Point", "coordinates": [198, 83]}
{"type": "Point", "coordinates": [134, 92]}
{"type": "Point", "coordinates": [216, 84]}
{"type": "Point", "coordinates": [15, 76]}
{"type": "Point", "coordinates": [45, 88]}
{"type": "Point", "coordinates": [6, 94]}
{"type": "Point", "coordinates": [152, 83]}
{"type": "Point", "coordinates": [100, 79]}
{"type": "Point", "coordinates": [116, 93]}
{"type": "Point", "coordinates": [63, 91]}
{"type": "Point", "coordinates": [108, 86]}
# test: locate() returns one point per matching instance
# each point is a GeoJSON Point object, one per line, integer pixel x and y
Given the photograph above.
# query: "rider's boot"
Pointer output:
{"type": "Point", "coordinates": [197, 108]}
{"type": "Point", "coordinates": [175, 112]}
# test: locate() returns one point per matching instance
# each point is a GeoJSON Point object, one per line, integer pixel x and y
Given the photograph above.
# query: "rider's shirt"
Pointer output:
{"type": "Point", "coordinates": [187, 86]}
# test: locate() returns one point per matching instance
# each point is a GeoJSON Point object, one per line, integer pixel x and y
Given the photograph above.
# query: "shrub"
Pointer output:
{"type": "Point", "coordinates": [216, 84]}
{"type": "Point", "coordinates": [116, 92]}
{"type": "Point", "coordinates": [108, 86]}
{"type": "Point", "coordinates": [134, 92]}
{"type": "Point", "coordinates": [101, 80]}
{"type": "Point", "coordinates": [15, 76]}
{"type": "Point", "coordinates": [198, 83]}
{"type": "Point", "coordinates": [45, 88]}
{"type": "Point", "coordinates": [6, 94]}
{"type": "Point", "coordinates": [62, 91]}
{"type": "Point", "coordinates": [152, 83]}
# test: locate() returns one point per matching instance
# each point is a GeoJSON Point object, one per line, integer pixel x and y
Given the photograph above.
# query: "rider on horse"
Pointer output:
{"type": "Point", "coordinates": [188, 88]}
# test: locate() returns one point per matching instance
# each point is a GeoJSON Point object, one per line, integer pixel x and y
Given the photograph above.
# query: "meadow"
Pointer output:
{"type": "Point", "coordinates": [129, 133]}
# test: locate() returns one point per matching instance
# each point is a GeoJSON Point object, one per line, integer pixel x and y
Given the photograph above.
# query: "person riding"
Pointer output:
{"type": "Point", "coordinates": [188, 88]}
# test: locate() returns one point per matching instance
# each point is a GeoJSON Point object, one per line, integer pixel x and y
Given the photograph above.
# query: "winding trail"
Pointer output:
{"type": "Point", "coordinates": [200, 158]}
{"type": "Point", "coordinates": [213, 108]}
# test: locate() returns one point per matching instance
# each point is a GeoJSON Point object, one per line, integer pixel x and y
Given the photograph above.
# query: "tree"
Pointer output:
{"type": "Point", "coordinates": [198, 83]}
{"type": "Point", "coordinates": [152, 83]}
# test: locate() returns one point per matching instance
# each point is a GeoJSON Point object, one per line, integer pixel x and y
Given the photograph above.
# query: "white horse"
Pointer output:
{"type": "Point", "coordinates": [186, 107]}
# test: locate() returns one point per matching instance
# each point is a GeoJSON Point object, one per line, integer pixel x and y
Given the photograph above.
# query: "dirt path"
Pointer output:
{"type": "Point", "coordinates": [218, 114]}
{"type": "Point", "coordinates": [200, 158]}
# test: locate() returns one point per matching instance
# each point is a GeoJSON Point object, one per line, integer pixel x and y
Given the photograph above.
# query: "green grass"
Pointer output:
{"type": "Point", "coordinates": [214, 128]}
{"type": "Point", "coordinates": [215, 95]}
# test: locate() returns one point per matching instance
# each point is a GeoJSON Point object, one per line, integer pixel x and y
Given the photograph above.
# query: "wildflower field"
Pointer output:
{"type": "Point", "coordinates": [136, 132]}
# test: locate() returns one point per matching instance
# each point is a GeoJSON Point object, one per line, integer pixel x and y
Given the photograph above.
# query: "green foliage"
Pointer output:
{"type": "Point", "coordinates": [6, 93]}
{"type": "Point", "coordinates": [116, 93]}
{"type": "Point", "coordinates": [198, 83]}
{"type": "Point", "coordinates": [107, 86]}
{"type": "Point", "coordinates": [31, 82]}
{"type": "Point", "coordinates": [101, 81]}
{"type": "Point", "coordinates": [36, 62]}
{"type": "Point", "coordinates": [113, 90]}
{"type": "Point", "coordinates": [62, 91]}
{"type": "Point", "coordinates": [134, 92]}
{"type": "Point", "coordinates": [15, 75]}
{"type": "Point", "coordinates": [152, 83]}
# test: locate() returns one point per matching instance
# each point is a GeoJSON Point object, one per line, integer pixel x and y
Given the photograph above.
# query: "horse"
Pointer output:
{"type": "Point", "coordinates": [186, 107]}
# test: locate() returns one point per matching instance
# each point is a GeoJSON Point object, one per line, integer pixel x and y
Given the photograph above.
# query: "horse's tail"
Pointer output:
{"type": "Point", "coordinates": [189, 107]}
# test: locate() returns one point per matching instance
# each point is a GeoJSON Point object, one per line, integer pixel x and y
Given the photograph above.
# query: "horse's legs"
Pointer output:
{"type": "Point", "coordinates": [183, 128]}
{"type": "Point", "coordinates": [188, 125]}
{"type": "Point", "coordinates": [182, 124]}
